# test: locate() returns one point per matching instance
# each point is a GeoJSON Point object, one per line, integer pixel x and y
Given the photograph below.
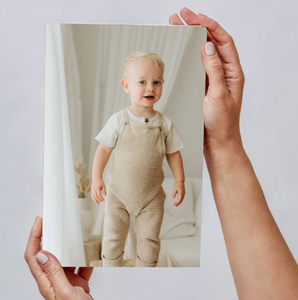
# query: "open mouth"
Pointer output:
{"type": "Point", "coordinates": [149, 97]}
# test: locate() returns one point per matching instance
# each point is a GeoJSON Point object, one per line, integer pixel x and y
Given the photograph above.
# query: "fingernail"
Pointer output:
{"type": "Point", "coordinates": [209, 48]}
{"type": "Point", "coordinates": [42, 258]}
{"type": "Point", "coordinates": [202, 15]}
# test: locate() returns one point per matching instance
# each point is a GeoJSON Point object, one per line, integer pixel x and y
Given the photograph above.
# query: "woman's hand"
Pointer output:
{"type": "Point", "coordinates": [55, 282]}
{"type": "Point", "coordinates": [259, 256]}
{"type": "Point", "coordinates": [224, 82]}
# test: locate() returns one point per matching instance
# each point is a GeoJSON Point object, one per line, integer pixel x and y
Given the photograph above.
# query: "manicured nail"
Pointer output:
{"type": "Point", "coordinates": [42, 258]}
{"type": "Point", "coordinates": [209, 48]}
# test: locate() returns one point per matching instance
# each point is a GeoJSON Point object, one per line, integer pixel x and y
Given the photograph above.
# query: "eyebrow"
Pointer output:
{"type": "Point", "coordinates": [144, 78]}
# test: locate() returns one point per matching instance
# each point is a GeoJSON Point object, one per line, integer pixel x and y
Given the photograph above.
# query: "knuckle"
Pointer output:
{"type": "Point", "coordinates": [81, 290]}
{"type": "Point", "coordinates": [243, 78]}
{"type": "Point", "coordinates": [52, 272]}
{"type": "Point", "coordinates": [231, 39]}
{"type": "Point", "coordinates": [26, 256]}
{"type": "Point", "coordinates": [216, 65]}
{"type": "Point", "coordinates": [216, 26]}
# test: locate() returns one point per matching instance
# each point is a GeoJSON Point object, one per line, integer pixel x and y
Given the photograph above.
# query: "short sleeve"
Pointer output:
{"type": "Point", "coordinates": [174, 141]}
{"type": "Point", "coordinates": [109, 134]}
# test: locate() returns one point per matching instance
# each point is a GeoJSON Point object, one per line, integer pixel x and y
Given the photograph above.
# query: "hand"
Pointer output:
{"type": "Point", "coordinates": [224, 82]}
{"type": "Point", "coordinates": [55, 282]}
{"type": "Point", "coordinates": [180, 189]}
{"type": "Point", "coordinates": [96, 187]}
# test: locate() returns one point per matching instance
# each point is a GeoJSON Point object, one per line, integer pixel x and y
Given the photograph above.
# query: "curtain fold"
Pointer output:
{"type": "Point", "coordinates": [61, 220]}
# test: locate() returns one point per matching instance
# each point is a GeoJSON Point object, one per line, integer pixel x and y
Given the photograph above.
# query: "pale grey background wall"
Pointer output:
{"type": "Point", "coordinates": [265, 34]}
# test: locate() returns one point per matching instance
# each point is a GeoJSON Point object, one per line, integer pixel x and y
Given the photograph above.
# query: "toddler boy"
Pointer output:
{"type": "Point", "coordinates": [140, 138]}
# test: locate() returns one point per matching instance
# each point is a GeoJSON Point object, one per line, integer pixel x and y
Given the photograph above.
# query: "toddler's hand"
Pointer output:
{"type": "Point", "coordinates": [180, 189]}
{"type": "Point", "coordinates": [96, 187]}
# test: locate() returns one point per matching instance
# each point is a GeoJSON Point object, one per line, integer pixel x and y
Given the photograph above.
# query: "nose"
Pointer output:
{"type": "Point", "coordinates": [150, 87]}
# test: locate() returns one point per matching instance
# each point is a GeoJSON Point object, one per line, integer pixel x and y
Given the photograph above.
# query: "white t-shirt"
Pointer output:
{"type": "Point", "coordinates": [111, 131]}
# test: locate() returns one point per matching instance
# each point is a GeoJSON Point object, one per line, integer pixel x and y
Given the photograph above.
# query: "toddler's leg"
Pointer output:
{"type": "Point", "coordinates": [116, 226]}
{"type": "Point", "coordinates": [147, 226]}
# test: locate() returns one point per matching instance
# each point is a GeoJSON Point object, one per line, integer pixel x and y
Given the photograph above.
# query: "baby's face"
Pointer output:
{"type": "Point", "coordinates": [144, 79]}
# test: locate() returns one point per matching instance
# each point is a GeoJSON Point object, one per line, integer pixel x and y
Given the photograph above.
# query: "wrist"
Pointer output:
{"type": "Point", "coordinates": [225, 155]}
{"type": "Point", "coordinates": [94, 178]}
{"type": "Point", "coordinates": [180, 180]}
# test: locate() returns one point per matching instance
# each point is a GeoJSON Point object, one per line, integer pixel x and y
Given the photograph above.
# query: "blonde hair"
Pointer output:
{"type": "Point", "coordinates": [142, 55]}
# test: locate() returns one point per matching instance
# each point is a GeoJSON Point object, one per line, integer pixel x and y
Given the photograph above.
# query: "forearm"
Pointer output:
{"type": "Point", "coordinates": [100, 160]}
{"type": "Point", "coordinates": [176, 165]}
{"type": "Point", "coordinates": [261, 262]}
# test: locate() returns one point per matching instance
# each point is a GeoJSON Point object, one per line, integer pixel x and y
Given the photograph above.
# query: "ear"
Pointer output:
{"type": "Point", "coordinates": [125, 86]}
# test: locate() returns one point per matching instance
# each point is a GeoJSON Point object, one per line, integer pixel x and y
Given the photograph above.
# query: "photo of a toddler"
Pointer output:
{"type": "Point", "coordinates": [141, 138]}
{"type": "Point", "coordinates": [119, 99]}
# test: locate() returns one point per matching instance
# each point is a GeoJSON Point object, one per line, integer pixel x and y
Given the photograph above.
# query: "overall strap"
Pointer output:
{"type": "Point", "coordinates": [125, 116]}
{"type": "Point", "coordinates": [160, 123]}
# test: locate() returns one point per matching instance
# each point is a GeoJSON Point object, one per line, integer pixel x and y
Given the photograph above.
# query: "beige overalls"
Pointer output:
{"type": "Point", "coordinates": [135, 188]}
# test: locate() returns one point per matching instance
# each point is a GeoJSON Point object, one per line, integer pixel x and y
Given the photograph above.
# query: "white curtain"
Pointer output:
{"type": "Point", "coordinates": [114, 44]}
{"type": "Point", "coordinates": [61, 221]}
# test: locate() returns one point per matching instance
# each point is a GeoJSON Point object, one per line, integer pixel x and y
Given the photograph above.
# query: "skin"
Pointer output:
{"type": "Point", "coordinates": [261, 262]}
{"type": "Point", "coordinates": [55, 282]}
{"type": "Point", "coordinates": [262, 265]}
{"type": "Point", "coordinates": [143, 78]}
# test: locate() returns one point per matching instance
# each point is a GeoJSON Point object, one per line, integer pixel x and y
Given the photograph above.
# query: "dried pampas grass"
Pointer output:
{"type": "Point", "coordinates": [83, 185]}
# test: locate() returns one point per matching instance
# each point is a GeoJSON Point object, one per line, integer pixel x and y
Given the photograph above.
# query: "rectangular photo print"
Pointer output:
{"type": "Point", "coordinates": [123, 144]}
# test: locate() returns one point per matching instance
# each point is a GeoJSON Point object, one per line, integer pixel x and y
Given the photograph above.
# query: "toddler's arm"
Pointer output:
{"type": "Point", "coordinates": [101, 158]}
{"type": "Point", "coordinates": [176, 166]}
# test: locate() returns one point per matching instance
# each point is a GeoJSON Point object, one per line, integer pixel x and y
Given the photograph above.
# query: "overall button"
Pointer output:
{"type": "Point", "coordinates": [146, 120]}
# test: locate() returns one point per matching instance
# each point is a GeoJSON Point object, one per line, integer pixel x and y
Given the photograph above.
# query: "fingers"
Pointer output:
{"type": "Point", "coordinates": [189, 17]}
{"type": "Point", "coordinates": [224, 44]}
{"type": "Point", "coordinates": [180, 196]}
{"type": "Point", "coordinates": [175, 20]}
{"type": "Point", "coordinates": [43, 278]}
{"type": "Point", "coordinates": [224, 41]}
{"type": "Point", "coordinates": [33, 246]}
{"type": "Point", "coordinates": [55, 275]}
{"type": "Point", "coordinates": [69, 269]}
{"type": "Point", "coordinates": [97, 196]}
{"type": "Point", "coordinates": [85, 272]}
{"type": "Point", "coordinates": [177, 203]}
{"type": "Point", "coordinates": [228, 54]}
{"type": "Point", "coordinates": [174, 194]}
{"type": "Point", "coordinates": [214, 70]}
{"type": "Point", "coordinates": [94, 197]}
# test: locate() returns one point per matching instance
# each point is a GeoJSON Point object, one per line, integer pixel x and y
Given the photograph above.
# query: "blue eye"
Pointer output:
{"type": "Point", "coordinates": [158, 82]}
{"type": "Point", "coordinates": [142, 81]}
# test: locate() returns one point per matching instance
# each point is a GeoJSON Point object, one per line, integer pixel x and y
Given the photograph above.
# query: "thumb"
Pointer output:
{"type": "Point", "coordinates": [104, 191]}
{"type": "Point", "coordinates": [54, 272]}
{"type": "Point", "coordinates": [174, 194]}
{"type": "Point", "coordinates": [214, 69]}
